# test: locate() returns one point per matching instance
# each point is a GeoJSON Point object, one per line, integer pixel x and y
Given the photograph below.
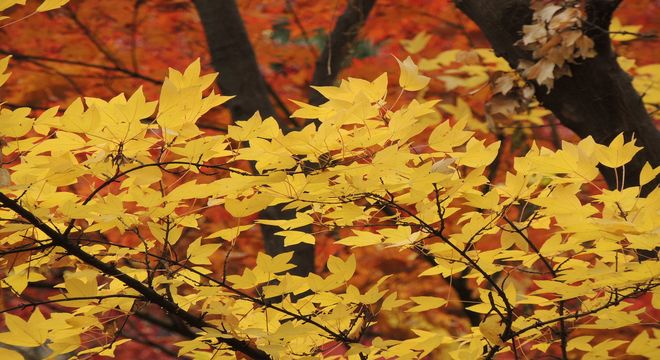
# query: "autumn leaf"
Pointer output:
{"type": "Point", "coordinates": [416, 44]}
{"type": "Point", "coordinates": [410, 79]}
{"type": "Point", "coordinates": [618, 153]}
{"type": "Point", "coordinates": [619, 32]}
{"type": "Point", "coordinates": [30, 333]}
{"type": "Point", "coordinates": [48, 5]}
{"type": "Point", "coordinates": [491, 328]}
{"type": "Point", "coordinates": [425, 303]}
{"type": "Point", "coordinates": [199, 254]}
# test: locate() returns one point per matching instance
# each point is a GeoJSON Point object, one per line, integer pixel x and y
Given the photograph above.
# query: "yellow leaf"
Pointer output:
{"type": "Point", "coordinates": [445, 137]}
{"type": "Point", "coordinates": [442, 59]}
{"type": "Point", "coordinates": [51, 5]}
{"type": "Point", "coordinates": [143, 177]}
{"type": "Point", "coordinates": [476, 154]}
{"type": "Point", "coordinates": [617, 153]}
{"type": "Point", "coordinates": [78, 286]}
{"type": "Point", "coordinates": [345, 269]}
{"type": "Point", "coordinates": [361, 238]}
{"type": "Point", "coordinates": [391, 302]}
{"type": "Point", "coordinates": [462, 111]}
{"type": "Point", "coordinates": [230, 234]}
{"type": "Point", "coordinates": [7, 354]}
{"type": "Point", "coordinates": [491, 328]}
{"type": "Point", "coordinates": [274, 265]}
{"type": "Point", "coordinates": [307, 111]}
{"type": "Point", "coordinates": [15, 123]}
{"type": "Point", "coordinates": [19, 278]}
{"type": "Point", "coordinates": [240, 208]}
{"type": "Point", "coordinates": [489, 200]}
{"type": "Point", "coordinates": [425, 303]}
{"type": "Point", "coordinates": [201, 149]}
{"type": "Point", "coordinates": [644, 345]}
{"type": "Point", "coordinates": [648, 174]}
{"type": "Point", "coordinates": [31, 333]}
{"type": "Point", "coordinates": [410, 79]}
{"type": "Point", "coordinates": [301, 219]}
{"type": "Point", "coordinates": [648, 241]}
{"type": "Point", "coordinates": [254, 127]}
{"type": "Point", "coordinates": [292, 237]}
{"type": "Point", "coordinates": [416, 44]}
{"type": "Point", "coordinates": [199, 254]}
{"type": "Point", "coordinates": [580, 343]}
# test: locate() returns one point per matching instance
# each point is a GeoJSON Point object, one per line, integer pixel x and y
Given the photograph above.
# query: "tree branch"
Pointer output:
{"type": "Point", "coordinates": [92, 38]}
{"type": "Point", "coordinates": [148, 293]}
{"type": "Point", "coordinates": [25, 57]}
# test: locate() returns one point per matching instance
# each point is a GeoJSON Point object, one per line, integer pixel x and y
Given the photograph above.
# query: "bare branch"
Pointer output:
{"type": "Point", "coordinates": [148, 293]}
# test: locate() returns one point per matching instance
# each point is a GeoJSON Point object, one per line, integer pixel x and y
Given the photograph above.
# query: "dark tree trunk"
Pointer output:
{"type": "Point", "coordinates": [233, 57]}
{"type": "Point", "coordinates": [339, 46]}
{"type": "Point", "coordinates": [598, 100]}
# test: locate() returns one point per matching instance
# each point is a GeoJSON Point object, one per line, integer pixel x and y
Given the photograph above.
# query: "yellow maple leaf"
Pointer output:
{"type": "Point", "coordinates": [425, 303]}
{"type": "Point", "coordinates": [410, 79]}
{"type": "Point", "coordinates": [617, 153]}
{"type": "Point", "coordinates": [491, 328]}
{"type": "Point", "coordinates": [15, 123]}
{"type": "Point", "coordinates": [345, 269]}
{"type": "Point", "coordinates": [240, 208]}
{"type": "Point", "coordinates": [30, 333]}
{"type": "Point", "coordinates": [230, 234]}
{"type": "Point", "coordinates": [51, 5]}
{"type": "Point", "coordinates": [619, 32]}
{"type": "Point", "coordinates": [292, 237]}
{"type": "Point", "coordinates": [648, 173]}
{"type": "Point", "coordinates": [416, 44]}
{"type": "Point", "coordinates": [199, 254]}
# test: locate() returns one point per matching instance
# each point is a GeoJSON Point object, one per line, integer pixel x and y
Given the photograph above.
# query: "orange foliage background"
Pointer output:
{"type": "Point", "coordinates": [128, 37]}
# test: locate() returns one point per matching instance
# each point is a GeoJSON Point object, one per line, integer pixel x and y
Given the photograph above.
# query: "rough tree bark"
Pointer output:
{"type": "Point", "coordinates": [598, 100]}
{"type": "Point", "coordinates": [233, 57]}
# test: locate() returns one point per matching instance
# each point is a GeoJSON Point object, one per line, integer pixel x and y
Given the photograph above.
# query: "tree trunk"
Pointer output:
{"type": "Point", "coordinates": [597, 100]}
{"type": "Point", "coordinates": [233, 57]}
{"type": "Point", "coordinates": [338, 48]}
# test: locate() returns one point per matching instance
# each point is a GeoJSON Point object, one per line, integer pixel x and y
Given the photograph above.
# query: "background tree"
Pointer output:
{"type": "Point", "coordinates": [598, 99]}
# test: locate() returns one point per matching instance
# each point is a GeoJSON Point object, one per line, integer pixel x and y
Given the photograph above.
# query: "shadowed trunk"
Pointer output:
{"type": "Point", "coordinates": [337, 50]}
{"type": "Point", "coordinates": [233, 57]}
{"type": "Point", "coordinates": [598, 100]}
